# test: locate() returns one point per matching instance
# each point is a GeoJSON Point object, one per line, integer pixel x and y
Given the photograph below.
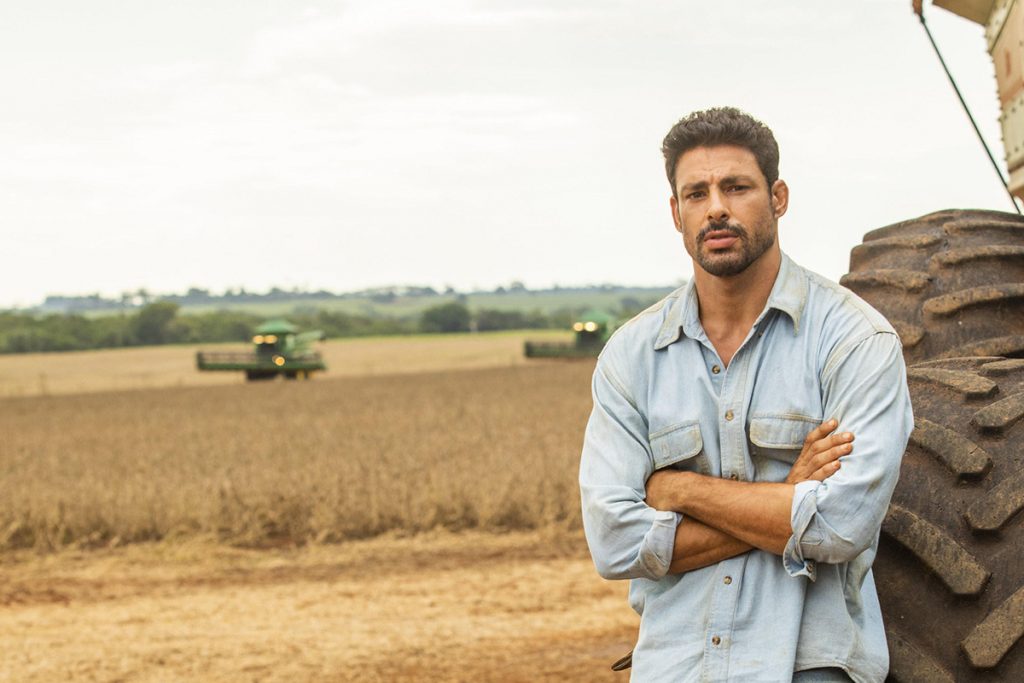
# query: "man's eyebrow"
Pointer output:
{"type": "Point", "coordinates": [727, 180]}
{"type": "Point", "coordinates": [699, 185]}
{"type": "Point", "coordinates": [737, 179]}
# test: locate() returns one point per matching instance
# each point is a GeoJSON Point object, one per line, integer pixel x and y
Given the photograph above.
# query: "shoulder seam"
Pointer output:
{"type": "Point", "coordinates": [840, 354]}
{"type": "Point", "coordinates": [614, 380]}
{"type": "Point", "coordinates": [863, 308]}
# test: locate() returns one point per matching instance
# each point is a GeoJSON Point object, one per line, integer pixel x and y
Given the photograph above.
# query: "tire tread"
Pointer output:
{"type": "Point", "coordinates": [937, 550]}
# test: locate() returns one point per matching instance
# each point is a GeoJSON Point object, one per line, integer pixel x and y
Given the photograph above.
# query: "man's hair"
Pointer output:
{"type": "Point", "coordinates": [722, 126]}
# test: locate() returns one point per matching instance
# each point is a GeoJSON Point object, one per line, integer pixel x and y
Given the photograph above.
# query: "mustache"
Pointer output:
{"type": "Point", "coordinates": [734, 229]}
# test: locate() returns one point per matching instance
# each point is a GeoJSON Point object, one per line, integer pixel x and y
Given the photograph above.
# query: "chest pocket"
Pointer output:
{"type": "Point", "coordinates": [679, 446]}
{"type": "Point", "coordinates": [780, 437]}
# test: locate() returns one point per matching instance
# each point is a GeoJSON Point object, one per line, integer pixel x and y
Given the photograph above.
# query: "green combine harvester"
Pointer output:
{"type": "Point", "coordinates": [279, 350]}
{"type": "Point", "coordinates": [592, 331]}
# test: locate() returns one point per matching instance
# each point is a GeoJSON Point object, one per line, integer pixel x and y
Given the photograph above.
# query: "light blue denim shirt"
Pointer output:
{"type": "Point", "coordinates": [663, 398]}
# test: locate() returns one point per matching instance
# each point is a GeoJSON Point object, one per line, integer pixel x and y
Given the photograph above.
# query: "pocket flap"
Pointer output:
{"type": "Point", "coordinates": [778, 431]}
{"type": "Point", "coordinates": [676, 443]}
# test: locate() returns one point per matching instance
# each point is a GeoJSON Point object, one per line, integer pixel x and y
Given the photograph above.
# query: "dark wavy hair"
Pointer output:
{"type": "Point", "coordinates": [722, 126]}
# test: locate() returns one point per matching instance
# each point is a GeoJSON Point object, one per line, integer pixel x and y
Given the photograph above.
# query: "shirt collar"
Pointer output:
{"type": "Point", "coordinates": [789, 295]}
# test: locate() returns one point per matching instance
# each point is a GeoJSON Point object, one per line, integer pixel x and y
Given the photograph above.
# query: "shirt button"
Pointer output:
{"type": "Point", "coordinates": [715, 369]}
{"type": "Point", "coordinates": [728, 416]}
{"type": "Point", "coordinates": [715, 640]}
{"type": "Point", "coordinates": [727, 580]}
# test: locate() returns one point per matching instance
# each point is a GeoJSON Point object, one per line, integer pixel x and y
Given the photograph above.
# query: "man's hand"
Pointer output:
{"type": "Point", "coordinates": [819, 458]}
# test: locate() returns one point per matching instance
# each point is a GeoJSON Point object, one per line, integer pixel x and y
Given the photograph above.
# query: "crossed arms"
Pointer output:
{"type": "Point", "coordinates": [643, 523]}
{"type": "Point", "coordinates": [730, 517]}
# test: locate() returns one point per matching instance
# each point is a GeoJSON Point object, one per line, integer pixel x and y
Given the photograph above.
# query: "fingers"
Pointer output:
{"type": "Point", "coordinates": [826, 463]}
{"type": "Point", "coordinates": [819, 458]}
{"type": "Point", "coordinates": [830, 441]}
{"type": "Point", "coordinates": [825, 471]}
{"type": "Point", "coordinates": [831, 454]}
{"type": "Point", "coordinates": [820, 432]}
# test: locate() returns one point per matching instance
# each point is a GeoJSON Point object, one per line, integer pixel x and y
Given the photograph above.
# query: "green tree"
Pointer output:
{"type": "Point", "coordinates": [153, 324]}
{"type": "Point", "coordinates": [489, 319]}
{"type": "Point", "coordinates": [450, 317]}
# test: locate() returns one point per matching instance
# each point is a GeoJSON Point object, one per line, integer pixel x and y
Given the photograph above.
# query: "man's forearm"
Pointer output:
{"type": "Point", "coordinates": [755, 513]}
{"type": "Point", "coordinates": [698, 545]}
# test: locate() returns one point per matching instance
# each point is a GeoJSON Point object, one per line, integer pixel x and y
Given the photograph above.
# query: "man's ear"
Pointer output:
{"type": "Point", "coordinates": [780, 198]}
{"type": "Point", "coordinates": [675, 214]}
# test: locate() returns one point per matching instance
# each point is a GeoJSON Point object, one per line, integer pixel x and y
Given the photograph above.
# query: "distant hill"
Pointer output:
{"type": "Point", "coordinates": [387, 302]}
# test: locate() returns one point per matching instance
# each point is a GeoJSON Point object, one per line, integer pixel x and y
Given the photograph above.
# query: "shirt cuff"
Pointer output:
{"type": "Point", "coordinates": [658, 544]}
{"type": "Point", "coordinates": [802, 513]}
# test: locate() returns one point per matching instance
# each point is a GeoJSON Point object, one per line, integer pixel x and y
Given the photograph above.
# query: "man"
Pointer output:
{"type": "Point", "coordinates": [719, 469]}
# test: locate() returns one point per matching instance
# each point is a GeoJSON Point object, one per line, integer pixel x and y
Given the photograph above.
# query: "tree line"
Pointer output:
{"type": "Point", "coordinates": [161, 322]}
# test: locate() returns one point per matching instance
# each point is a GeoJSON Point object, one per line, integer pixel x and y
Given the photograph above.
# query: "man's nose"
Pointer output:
{"type": "Point", "coordinates": [718, 210]}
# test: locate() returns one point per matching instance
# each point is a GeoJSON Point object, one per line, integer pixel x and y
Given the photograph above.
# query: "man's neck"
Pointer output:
{"type": "Point", "coordinates": [730, 305]}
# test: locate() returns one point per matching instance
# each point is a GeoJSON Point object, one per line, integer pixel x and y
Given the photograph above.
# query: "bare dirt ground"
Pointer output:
{"type": "Point", "coordinates": [435, 607]}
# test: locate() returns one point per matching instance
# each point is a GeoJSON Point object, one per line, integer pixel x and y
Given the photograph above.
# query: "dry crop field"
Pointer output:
{"type": "Point", "coordinates": [414, 526]}
{"type": "Point", "coordinates": [291, 462]}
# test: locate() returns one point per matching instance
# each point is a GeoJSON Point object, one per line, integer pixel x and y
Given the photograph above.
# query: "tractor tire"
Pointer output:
{"type": "Point", "coordinates": [259, 375]}
{"type": "Point", "coordinates": [950, 565]}
{"type": "Point", "coordinates": [951, 282]}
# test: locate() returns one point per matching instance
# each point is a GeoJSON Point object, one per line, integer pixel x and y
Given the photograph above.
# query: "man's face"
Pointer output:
{"type": "Point", "coordinates": [724, 209]}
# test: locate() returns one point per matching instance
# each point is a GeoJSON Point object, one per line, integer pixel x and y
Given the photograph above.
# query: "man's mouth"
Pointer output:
{"type": "Point", "coordinates": [720, 239]}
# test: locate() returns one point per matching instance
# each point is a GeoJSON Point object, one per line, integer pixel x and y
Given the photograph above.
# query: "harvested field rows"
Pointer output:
{"type": "Point", "coordinates": [290, 462]}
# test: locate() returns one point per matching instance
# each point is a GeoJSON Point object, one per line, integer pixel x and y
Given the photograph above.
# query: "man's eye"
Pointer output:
{"type": "Point", "coordinates": [695, 195]}
{"type": "Point", "coordinates": [737, 188]}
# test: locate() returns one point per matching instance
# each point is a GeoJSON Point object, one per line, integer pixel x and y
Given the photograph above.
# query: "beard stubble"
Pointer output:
{"type": "Point", "coordinates": [733, 262]}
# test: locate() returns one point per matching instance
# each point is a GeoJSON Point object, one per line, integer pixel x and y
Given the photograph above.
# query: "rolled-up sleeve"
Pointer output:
{"type": "Point", "coordinates": [627, 538]}
{"type": "Point", "coordinates": [864, 387]}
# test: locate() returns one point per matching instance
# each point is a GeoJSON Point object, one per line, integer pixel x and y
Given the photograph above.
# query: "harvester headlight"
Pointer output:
{"type": "Point", "coordinates": [590, 326]}
{"type": "Point", "coordinates": [258, 339]}
{"type": "Point", "coordinates": [578, 327]}
{"type": "Point", "coordinates": [270, 339]}
{"type": "Point", "coordinates": [279, 360]}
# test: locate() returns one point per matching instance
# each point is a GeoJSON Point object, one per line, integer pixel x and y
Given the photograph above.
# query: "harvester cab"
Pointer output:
{"type": "Point", "coordinates": [279, 338]}
{"type": "Point", "coordinates": [592, 331]}
{"type": "Point", "coordinates": [279, 349]}
{"type": "Point", "coordinates": [273, 339]}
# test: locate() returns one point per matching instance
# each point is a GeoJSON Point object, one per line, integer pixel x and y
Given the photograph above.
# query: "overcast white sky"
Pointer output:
{"type": "Point", "coordinates": [344, 145]}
